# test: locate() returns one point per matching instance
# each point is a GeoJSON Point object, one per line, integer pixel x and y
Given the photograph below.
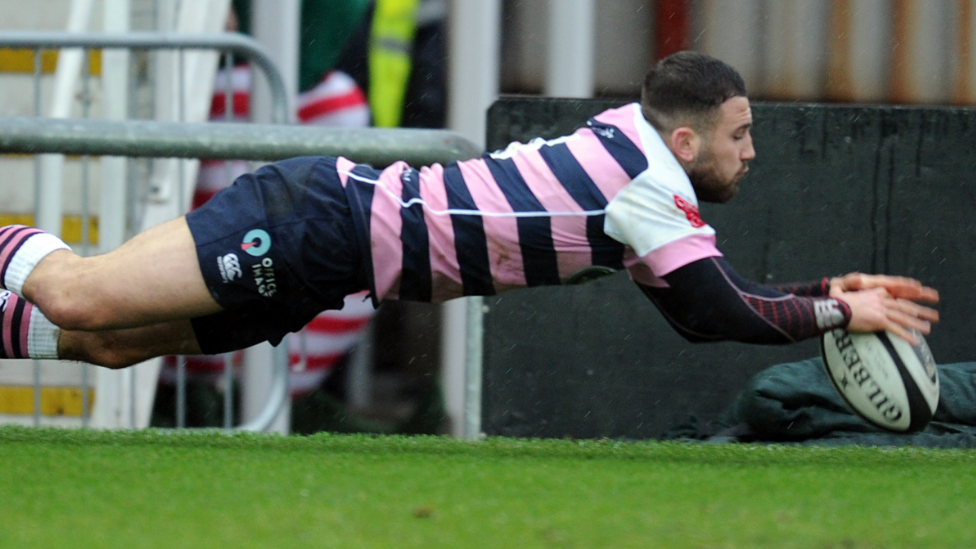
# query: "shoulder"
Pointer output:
{"type": "Point", "coordinates": [626, 124]}
{"type": "Point", "coordinates": [619, 116]}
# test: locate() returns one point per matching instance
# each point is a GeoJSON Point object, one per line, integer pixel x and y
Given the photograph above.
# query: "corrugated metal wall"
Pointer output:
{"type": "Point", "coordinates": [862, 51]}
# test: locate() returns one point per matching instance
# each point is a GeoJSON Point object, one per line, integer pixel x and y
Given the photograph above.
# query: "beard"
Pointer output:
{"type": "Point", "coordinates": [710, 184]}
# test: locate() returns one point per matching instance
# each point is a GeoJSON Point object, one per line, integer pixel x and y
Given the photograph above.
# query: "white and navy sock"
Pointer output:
{"type": "Point", "coordinates": [21, 248]}
{"type": "Point", "coordinates": [24, 330]}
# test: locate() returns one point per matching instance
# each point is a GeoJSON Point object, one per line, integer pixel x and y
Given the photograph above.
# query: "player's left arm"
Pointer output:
{"type": "Point", "coordinates": [877, 302]}
{"type": "Point", "coordinates": [706, 300]}
{"type": "Point", "coordinates": [815, 288]}
{"type": "Point", "coordinates": [899, 287]}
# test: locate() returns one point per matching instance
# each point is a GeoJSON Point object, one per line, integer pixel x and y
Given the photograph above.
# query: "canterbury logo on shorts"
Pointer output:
{"type": "Point", "coordinates": [230, 267]}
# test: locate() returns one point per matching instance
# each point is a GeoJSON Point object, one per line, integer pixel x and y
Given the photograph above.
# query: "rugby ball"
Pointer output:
{"type": "Point", "coordinates": [883, 378]}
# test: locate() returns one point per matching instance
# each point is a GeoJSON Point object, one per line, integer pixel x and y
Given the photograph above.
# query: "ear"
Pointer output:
{"type": "Point", "coordinates": [685, 144]}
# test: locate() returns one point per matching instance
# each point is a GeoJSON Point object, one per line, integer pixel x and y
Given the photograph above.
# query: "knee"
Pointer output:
{"type": "Point", "coordinates": [71, 314]}
{"type": "Point", "coordinates": [112, 361]}
{"type": "Point", "coordinates": [60, 292]}
{"type": "Point", "coordinates": [105, 349]}
{"type": "Point", "coordinates": [70, 309]}
{"type": "Point", "coordinates": [114, 351]}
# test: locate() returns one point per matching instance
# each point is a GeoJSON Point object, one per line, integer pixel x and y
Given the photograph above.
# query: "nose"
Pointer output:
{"type": "Point", "coordinates": [748, 152]}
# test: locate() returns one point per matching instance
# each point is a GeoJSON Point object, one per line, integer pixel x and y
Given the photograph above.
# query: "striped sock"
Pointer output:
{"type": "Point", "coordinates": [24, 331]}
{"type": "Point", "coordinates": [21, 248]}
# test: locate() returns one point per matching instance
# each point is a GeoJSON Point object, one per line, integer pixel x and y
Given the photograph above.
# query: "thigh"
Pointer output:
{"type": "Point", "coordinates": [162, 271]}
{"type": "Point", "coordinates": [152, 278]}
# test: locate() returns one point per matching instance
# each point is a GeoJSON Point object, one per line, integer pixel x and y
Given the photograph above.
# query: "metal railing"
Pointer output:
{"type": "Point", "coordinates": [233, 44]}
{"type": "Point", "coordinates": [247, 141]}
{"type": "Point", "coordinates": [212, 140]}
{"type": "Point", "coordinates": [223, 141]}
{"type": "Point", "coordinates": [230, 45]}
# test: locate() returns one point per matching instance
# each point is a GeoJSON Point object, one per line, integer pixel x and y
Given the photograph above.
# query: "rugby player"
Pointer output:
{"type": "Point", "coordinates": [264, 256]}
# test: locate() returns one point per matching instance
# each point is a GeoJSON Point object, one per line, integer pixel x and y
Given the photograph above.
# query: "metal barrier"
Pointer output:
{"type": "Point", "coordinates": [155, 139]}
{"type": "Point", "coordinates": [230, 45]}
{"type": "Point", "coordinates": [218, 140]}
{"type": "Point", "coordinates": [231, 141]}
{"type": "Point", "coordinates": [234, 44]}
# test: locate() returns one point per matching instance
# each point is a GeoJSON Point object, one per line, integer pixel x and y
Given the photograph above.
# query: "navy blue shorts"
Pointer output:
{"type": "Point", "coordinates": [276, 248]}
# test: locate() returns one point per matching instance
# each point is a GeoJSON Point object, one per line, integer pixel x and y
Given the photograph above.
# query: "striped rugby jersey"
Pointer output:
{"type": "Point", "coordinates": [609, 195]}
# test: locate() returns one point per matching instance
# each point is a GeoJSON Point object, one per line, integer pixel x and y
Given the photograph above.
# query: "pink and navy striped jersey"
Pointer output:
{"type": "Point", "coordinates": [609, 195]}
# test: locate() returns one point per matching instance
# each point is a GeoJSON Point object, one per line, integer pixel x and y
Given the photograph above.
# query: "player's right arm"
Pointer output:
{"type": "Point", "coordinates": [706, 300]}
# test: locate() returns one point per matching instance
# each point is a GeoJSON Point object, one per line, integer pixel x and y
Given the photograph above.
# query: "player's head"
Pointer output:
{"type": "Point", "coordinates": [687, 89]}
{"type": "Point", "coordinates": [699, 105]}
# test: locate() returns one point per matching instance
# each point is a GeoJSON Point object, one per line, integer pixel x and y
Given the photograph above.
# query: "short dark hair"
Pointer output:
{"type": "Point", "coordinates": [687, 88]}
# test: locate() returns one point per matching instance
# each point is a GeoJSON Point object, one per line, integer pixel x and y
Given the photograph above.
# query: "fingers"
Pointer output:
{"type": "Point", "coordinates": [930, 295]}
{"type": "Point", "coordinates": [904, 334]}
{"type": "Point", "coordinates": [908, 321]}
{"type": "Point", "coordinates": [920, 311]}
{"type": "Point", "coordinates": [897, 286]}
{"type": "Point", "coordinates": [911, 289]}
{"type": "Point", "coordinates": [905, 316]}
{"type": "Point", "coordinates": [875, 309]}
{"type": "Point", "coordinates": [848, 282]}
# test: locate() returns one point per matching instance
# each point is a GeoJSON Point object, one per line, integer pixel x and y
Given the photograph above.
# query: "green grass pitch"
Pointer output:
{"type": "Point", "coordinates": [72, 488]}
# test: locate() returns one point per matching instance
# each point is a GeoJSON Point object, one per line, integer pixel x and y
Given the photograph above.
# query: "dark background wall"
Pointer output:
{"type": "Point", "coordinates": [834, 189]}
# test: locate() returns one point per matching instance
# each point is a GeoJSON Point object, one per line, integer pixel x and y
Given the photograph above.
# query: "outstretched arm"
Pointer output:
{"type": "Point", "coordinates": [879, 302]}
{"type": "Point", "coordinates": [707, 301]}
{"type": "Point", "coordinates": [816, 288]}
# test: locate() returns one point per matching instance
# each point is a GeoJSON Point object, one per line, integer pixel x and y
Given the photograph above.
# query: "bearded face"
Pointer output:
{"type": "Point", "coordinates": [711, 182]}
{"type": "Point", "coordinates": [723, 158]}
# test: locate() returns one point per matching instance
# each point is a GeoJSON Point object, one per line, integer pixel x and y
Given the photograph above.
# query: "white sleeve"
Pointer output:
{"type": "Point", "coordinates": [658, 207]}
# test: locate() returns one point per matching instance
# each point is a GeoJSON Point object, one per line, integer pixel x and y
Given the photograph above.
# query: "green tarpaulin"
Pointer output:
{"type": "Point", "coordinates": [795, 402]}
